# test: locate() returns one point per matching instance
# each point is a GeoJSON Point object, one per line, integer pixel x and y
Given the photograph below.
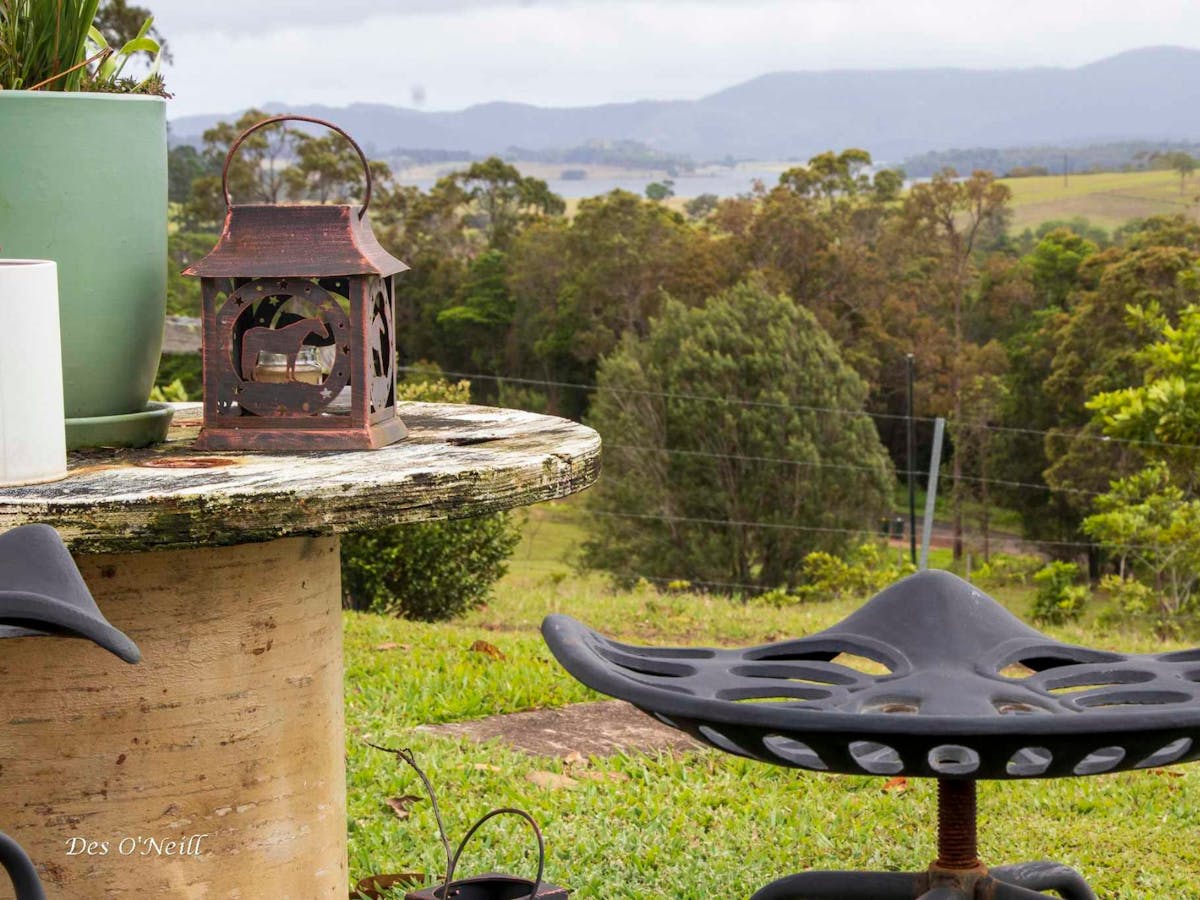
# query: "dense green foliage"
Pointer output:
{"type": "Point", "coordinates": [680, 450]}
{"type": "Point", "coordinates": [41, 40]}
{"type": "Point", "coordinates": [1060, 597]}
{"type": "Point", "coordinates": [185, 369]}
{"type": "Point", "coordinates": [1150, 519]}
{"type": "Point", "coordinates": [183, 249]}
{"type": "Point", "coordinates": [428, 570]}
{"type": "Point", "coordinates": [859, 571]}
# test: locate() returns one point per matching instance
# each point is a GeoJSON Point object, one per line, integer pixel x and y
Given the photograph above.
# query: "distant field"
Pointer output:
{"type": "Point", "coordinates": [1107, 199]}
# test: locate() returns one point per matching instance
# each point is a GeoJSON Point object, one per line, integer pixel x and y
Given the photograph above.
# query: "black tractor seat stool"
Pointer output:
{"type": "Point", "coordinates": [970, 693]}
{"type": "Point", "coordinates": [42, 593]}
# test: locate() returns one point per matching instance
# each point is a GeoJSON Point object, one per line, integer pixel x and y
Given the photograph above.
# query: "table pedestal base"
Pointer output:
{"type": "Point", "coordinates": [216, 767]}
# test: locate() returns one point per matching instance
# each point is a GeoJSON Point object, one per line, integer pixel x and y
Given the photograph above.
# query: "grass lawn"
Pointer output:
{"type": "Point", "coordinates": [703, 824]}
{"type": "Point", "coordinates": [1107, 199]}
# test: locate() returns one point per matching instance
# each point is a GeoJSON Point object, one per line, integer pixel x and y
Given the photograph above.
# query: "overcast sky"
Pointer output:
{"type": "Point", "coordinates": [448, 54]}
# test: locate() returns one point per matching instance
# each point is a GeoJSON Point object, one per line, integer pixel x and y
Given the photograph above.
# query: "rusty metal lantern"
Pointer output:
{"type": "Point", "coordinates": [299, 325]}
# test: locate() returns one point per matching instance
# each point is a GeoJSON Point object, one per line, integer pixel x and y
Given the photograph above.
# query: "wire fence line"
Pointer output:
{"type": "Point", "coordinates": [554, 566]}
{"type": "Point", "coordinates": [859, 532]}
{"type": "Point", "coordinates": [970, 536]}
{"type": "Point", "coordinates": [943, 475]}
{"type": "Point", "coordinates": [703, 398]}
{"type": "Point", "coordinates": [965, 424]}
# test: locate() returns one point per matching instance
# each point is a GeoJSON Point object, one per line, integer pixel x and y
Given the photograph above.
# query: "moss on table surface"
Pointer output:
{"type": "Point", "coordinates": [457, 461]}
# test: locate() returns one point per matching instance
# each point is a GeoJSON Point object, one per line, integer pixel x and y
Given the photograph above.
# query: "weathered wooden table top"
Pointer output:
{"type": "Point", "coordinates": [456, 461]}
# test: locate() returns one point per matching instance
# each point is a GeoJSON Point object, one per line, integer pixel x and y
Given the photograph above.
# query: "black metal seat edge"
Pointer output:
{"type": "Point", "coordinates": [42, 593]}
{"type": "Point", "coordinates": [944, 683]}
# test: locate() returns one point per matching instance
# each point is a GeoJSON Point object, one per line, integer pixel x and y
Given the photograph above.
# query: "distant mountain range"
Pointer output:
{"type": "Point", "coordinates": [1147, 94]}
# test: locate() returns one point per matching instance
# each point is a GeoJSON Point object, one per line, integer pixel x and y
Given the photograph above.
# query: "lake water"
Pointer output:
{"type": "Point", "coordinates": [722, 181]}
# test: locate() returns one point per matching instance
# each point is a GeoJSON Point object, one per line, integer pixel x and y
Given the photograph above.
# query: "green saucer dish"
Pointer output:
{"type": "Point", "coordinates": [139, 429]}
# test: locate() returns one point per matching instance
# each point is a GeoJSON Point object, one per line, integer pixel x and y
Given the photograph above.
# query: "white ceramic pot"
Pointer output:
{"type": "Point", "coordinates": [33, 442]}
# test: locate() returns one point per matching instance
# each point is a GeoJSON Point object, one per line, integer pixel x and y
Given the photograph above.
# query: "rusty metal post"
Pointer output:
{"type": "Point", "coordinates": [957, 825]}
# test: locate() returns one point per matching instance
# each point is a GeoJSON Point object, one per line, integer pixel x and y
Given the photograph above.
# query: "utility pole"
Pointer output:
{"type": "Point", "coordinates": [935, 460]}
{"type": "Point", "coordinates": [911, 464]}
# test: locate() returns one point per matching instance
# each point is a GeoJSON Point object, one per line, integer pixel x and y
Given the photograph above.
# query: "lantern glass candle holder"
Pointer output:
{"type": "Point", "coordinates": [298, 313]}
{"type": "Point", "coordinates": [276, 368]}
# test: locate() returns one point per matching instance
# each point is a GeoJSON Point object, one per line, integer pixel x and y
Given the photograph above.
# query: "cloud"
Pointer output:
{"type": "Point", "coordinates": [555, 52]}
{"type": "Point", "coordinates": [229, 16]}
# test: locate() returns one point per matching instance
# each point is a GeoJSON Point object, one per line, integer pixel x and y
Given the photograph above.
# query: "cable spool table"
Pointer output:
{"type": "Point", "coordinates": [217, 767]}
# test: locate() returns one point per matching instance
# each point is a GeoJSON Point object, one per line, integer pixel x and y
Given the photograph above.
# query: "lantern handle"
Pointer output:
{"type": "Point", "coordinates": [537, 832]}
{"type": "Point", "coordinates": [233, 148]}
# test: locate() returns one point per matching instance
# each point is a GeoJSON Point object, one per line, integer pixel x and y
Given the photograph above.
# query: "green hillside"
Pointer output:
{"type": "Point", "coordinates": [1107, 199]}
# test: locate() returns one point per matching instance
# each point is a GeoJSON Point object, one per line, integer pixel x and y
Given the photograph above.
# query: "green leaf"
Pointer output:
{"type": "Point", "coordinates": [140, 44]}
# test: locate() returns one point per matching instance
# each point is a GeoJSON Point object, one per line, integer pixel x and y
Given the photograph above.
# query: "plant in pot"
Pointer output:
{"type": "Point", "coordinates": [83, 182]}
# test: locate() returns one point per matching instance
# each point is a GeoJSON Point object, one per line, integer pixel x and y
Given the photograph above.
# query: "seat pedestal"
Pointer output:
{"type": "Point", "coordinates": [957, 873]}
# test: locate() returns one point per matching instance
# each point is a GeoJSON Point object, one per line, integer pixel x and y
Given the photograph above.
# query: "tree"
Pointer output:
{"type": "Point", "coordinates": [257, 173]}
{"type": "Point", "coordinates": [1153, 526]}
{"type": "Point", "coordinates": [1178, 230]}
{"type": "Point", "coordinates": [1163, 412]}
{"type": "Point", "coordinates": [1097, 348]}
{"type": "Point", "coordinates": [504, 200]}
{"type": "Point", "coordinates": [579, 286]}
{"type": "Point", "coordinates": [428, 231]}
{"type": "Point", "coordinates": [1054, 265]}
{"type": "Point", "coordinates": [718, 414]}
{"type": "Point", "coordinates": [983, 396]}
{"type": "Point", "coordinates": [954, 215]}
{"type": "Point", "coordinates": [1021, 451]}
{"type": "Point", "coordinates": [821, 236]}
{"type": "Point", "coordinates": [482, 316]}
{"type": "Point", "coordinates": [1185, 165]}
{"type": "Point", "coordinates": [326, 168]}
{"type": "Point", "coordinates": [1180, 161]}
{"type": "Point", "coordinates": [1151, 519]}
{"type": "Point", "coordinates": [659, 191]}
{"type": "Point", "coordinates": [701, 206]}
{"type": "Point", "coordinates": [831, 175]}
{"type": "Point", "coordinates": [1080, 225]}
{"type": "Point", "coordinates": [184, 165]}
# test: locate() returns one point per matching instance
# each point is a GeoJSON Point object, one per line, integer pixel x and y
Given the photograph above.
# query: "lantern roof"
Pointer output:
{"type": "Point", "coordinates": [295, 240]}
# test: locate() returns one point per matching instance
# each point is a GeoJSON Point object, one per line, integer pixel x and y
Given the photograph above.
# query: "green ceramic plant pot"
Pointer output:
{"type": "Point", "coordinates": [83, 181]}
